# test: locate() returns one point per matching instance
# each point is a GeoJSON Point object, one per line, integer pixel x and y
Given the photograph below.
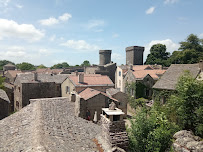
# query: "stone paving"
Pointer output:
{"type": "Point", "coordinates": [47, 125]}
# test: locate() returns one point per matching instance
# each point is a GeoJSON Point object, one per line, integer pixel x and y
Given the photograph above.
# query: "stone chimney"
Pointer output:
{"type": "Point", "coordinates": [81, 78]}
{"type": "Point", "coordinates": [35, 76]}
{"type": "Point", "coordinates": [201, 65]}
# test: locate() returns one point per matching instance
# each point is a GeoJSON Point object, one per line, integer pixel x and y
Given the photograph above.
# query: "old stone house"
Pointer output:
{"type": "Point", "coordinates": [32, 85]}
{"type": "Point", "coordinates": [78, 82]}
{"type": "Point", "coordinates": [91, 101]}
{"type": "Point", "coordinates": [121, 97]}
{"type": "Point", "coordinates": [144, 76]}
{"type": "Point", "coordinates": [4, 104]}
{"type": "Point", "coordinates": [170, 78]}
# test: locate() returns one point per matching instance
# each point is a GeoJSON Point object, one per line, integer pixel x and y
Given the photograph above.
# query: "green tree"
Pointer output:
{"type": "Point", "coordinates": [4, 62]}
{"type": "Point", "coordinates": [41, 66]}
{"type": "Point", "coordinates": [1, 82]}
{"type": "Point", "coordinates": [25, 66]}
{"type": "Point", "coordinates": [185, 106]}
{"type": "Point", "coordinates": [60, 65]}
{"type": "Point", "coordinates": [86, 63]}
{"type": "Point", "coordinates": [158, 55]}
{"type": "Point", "coordinates": [190, 51]}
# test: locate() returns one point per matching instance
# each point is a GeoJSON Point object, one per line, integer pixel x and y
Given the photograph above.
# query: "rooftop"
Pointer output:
{"type": "Point", "coordinates": [170, 78]}
{"type": "Point", "coordinates": [4, 96]}
{"type": "Point", "coordinates": [140, 74]}
{"type": "Point", "coordinates": [113, 112]}
{"type": "Point", "coordinates": [92, 80]}
{"type": "Point", "coordinates": [47, 125]}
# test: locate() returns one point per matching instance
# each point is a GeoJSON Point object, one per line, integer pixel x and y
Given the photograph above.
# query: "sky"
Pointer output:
{"type": "Point", "coordinates": [55, 31]}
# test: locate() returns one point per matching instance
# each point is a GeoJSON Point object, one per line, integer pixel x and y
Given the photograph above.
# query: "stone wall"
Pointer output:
{"type": "Point", "coordinates": [4, 108]}
{"type": "Point", "coordinates": [134, 55]}
{"type": "Point", "coordinates": [186, 141]}
{"type": "Point", "coordinates": [114, 133]}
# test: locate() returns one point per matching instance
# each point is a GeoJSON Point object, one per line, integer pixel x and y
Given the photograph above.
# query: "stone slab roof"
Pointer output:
{"type": "Point", "coordinates": [112, 91]}
{"type": "Point", "coordinates": [13, 73]}
{"type": "Point", "coordinates": [170, 78]}
{"type": "Point", "coordinates": [49, 71]}
{"type": "Point", "coordinates": [92, 80]}
{"type": "Point", "coordinates": [47, 125]}
{"type": "Point", "coordinates": [4, 96]}
{"type": "Point", "coordinates": [41, 77]}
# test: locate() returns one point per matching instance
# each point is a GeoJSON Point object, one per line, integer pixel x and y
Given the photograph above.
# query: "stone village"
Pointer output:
{"type": "Point", "coordinates": [53, 109]}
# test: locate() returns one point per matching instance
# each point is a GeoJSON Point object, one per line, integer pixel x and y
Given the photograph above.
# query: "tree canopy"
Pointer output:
{"type": "Point", "coordinates": [86, 63]}
{"type": "Point", "coordinates": [1, 82]}
{"type": "Point", "coordinates": [60, 65]}
{"type": "Point", "coordinates": [41, 66]}
{"type": "Point", "coordinates": [190, 51]}
{"type": "Point", "coordinates": [25, 66]}
{"type": "Point", "coordinates": [158, 55]}
{"type": "Point", "coordinates": [4, 62]}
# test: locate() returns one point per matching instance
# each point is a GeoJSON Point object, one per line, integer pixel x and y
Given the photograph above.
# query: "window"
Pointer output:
{"type": "Point", "coordinates": [119, 73]}
{"type": "Point", "coordinates": [67, 89]}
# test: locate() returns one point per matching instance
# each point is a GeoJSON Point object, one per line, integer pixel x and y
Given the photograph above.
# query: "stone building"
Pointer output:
{"type": "Point", "coordinates": [9, 66]}
{"type": "Point", "coordinates": [92, 101]}
{"type": "Point", "coordinates": [106, 66]}
{"type": "Point", "coordinates": [4, 104]}
{"type": "Point", "coordinates": [78, 82]}
{"type": "Point", "coordinates": [146, 79]}
{"type": "Point", "coordinates": [121, 97]}
{"type": "Point", "coordinates": [32, 85]}
{"type": "Point", "coordinates": [134, 55]}
{"type": "Point", "coordinates": [119, 76]}
{"type": "Point", "coordinates": [47, 125]}
{"type": "Point", "coordinates": [170, 78]}
{"type": "Point", "coordinates": [113, 129]}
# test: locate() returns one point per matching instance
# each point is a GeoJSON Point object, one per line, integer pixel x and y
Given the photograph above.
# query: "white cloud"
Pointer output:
{"type": "Point", "coordinates": [150, 10]}
{"type": "Point", "coordinates": [115, 35]}
{"type": "Point", "coordinates": [201, 35]}
{"type": "Point", "coordinates": [117, 56]}
{"type": "Point", "coordinates": [48, 22]}
{"type": "Point", "coordinates": [80, 45]}
{"type": "Point", "coordinates": [170, 1]}
{"type": "Point", "coordinates": [65, 17]}
{"type": "Point", "coordinates": [170, 46]}
{"type": "Point", "coordinates": [52, 20]}
{"type": "Point", "coordinates": [19, 6]}
{"type": "Point", "coordinates": [52, 38]}
{"type": "Point", "coordinates": [95, 23]}
{"type": "Point", "coordinates": [11, 29]}
{"type": "Point", "coordinates": [4, 3]}
{"type": "Point", "coordinates": [44, 52]}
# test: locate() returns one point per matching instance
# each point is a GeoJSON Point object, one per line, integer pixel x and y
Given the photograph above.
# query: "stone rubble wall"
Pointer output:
{"type": "Point", "coordinates": [114, 133]}
{"type": "Point", "coordinates": [186, 141]}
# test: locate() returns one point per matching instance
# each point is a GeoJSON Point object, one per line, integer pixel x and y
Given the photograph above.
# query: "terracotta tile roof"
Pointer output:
{"type": "Point", "coordinates": [89, 93]}
{"type": "Point", "coordinates": [170, 78]}
{"type": "Point", "coordinates": [142, 67]}
{"type": "Point", "coordinates": [92, 80]}
{"type": "Point", "coordinates": [13, 73]}
{"type": "Point", "coordinates": [140, 74]}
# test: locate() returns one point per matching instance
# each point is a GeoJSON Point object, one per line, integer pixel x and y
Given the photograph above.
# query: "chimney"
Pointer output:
{"type": "Point", "coordinates": [81, 78]}
{"type": "Point", "coordinates": [35, 76]}
{"type": "Point", "coordinates": [201, 65]}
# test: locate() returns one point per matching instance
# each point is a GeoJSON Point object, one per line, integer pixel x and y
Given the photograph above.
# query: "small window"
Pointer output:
{"type": "Point", "coordinates": [19, 89]}
{"type": "Point", "coordinates": [67, 89]}
{"type": "Point", "coordinates": [116, 117]}
{"type": "Point", "coordinates": [119, 73]}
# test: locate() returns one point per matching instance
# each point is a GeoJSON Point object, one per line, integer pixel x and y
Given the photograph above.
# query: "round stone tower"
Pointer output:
{"type": "Point", "coordinates": [104, 57]}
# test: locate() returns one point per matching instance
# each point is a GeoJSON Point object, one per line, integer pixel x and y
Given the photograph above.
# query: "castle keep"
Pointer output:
{"type": "Point", "coordinates": [134, 55]}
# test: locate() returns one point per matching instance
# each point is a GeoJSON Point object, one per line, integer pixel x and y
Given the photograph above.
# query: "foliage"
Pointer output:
{"type": "Point", "coordinates": [86, 63]}
{"type": "Point", "coordinates": [140, 90]}
{"type": "Point", "coordinates": [131, 89]}
{"type": "Point", "coordinates": [185, 106]}
{"type": "Point", "coordinates": [158, 55]}
{"type": "Point", "coordinates": [191, 51]}
{"type": "Point", "coordinates": [4, 62]}
{"type": "Point", "coordinates": [60, 65]}
{"type": "Point", "coordinates": [140, 102]}
{"type": "Point", "coordinates": [1, 82]}
{"type": "Point", "coordinates": [25, 66]}
{"type": "Point", "coordinates": [150, 132]}
{"type": "Point", "coordinates": [41, 66]}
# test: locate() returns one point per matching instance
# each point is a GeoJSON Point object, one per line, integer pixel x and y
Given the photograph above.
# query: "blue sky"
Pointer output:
{"type": "Point", "coordinates": [54, 31]}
